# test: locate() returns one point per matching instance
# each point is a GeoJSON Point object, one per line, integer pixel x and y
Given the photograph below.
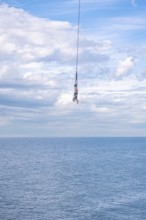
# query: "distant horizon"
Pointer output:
{"type": "Point", "coordinates": [73, 137]}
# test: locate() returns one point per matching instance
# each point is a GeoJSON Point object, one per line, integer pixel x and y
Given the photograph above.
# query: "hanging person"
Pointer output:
{"type": "Point", "coordinates": [75, 98]}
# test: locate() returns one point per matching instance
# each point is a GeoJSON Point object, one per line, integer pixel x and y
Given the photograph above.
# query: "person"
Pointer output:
{"type": "Point", "coordinates": [75, 98]}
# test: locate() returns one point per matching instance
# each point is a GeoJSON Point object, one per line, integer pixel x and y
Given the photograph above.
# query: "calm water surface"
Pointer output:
{"type": "Point", "coordinates": [73, 179]}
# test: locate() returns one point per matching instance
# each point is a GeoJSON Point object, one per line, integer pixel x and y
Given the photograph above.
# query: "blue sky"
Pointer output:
{"type": "Point", "coordinates": [37, 60]}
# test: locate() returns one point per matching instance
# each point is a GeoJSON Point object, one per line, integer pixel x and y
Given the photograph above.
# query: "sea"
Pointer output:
{"type": "Point", "coordinates": [73, 178]}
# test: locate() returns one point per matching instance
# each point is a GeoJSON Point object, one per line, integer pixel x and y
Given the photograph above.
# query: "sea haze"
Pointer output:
{"type": "Point", "coordinates": [73, 178]}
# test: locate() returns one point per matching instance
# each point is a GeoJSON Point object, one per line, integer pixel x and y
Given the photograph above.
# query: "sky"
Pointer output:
{"type": "Point", "coordinates": [37, 62]}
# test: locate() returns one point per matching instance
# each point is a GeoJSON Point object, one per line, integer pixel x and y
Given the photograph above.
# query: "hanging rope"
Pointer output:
{"type": "Point", "coordinates": [78, 38]}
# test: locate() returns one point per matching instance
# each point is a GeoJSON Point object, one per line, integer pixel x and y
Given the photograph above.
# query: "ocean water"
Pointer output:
{"type": "Point", "coordinates": [73, 179]}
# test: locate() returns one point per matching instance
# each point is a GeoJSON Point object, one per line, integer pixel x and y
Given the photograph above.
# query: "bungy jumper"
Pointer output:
{"type": "Point", "coordinates": [75, 97]}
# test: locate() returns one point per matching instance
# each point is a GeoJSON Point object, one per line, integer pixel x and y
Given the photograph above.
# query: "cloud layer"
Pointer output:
{"type": "Point", "coordinates": [37, 75]}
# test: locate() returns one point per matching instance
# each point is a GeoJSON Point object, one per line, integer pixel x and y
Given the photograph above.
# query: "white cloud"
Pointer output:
{"type": "Point", "coordinates": [64, 99]}
{"type": "Point", "coordinates": [98, 110]}
{"type": "Point", "coordinates": [31, 42]}
{"type": "Point", "coordinates": [124, 66]}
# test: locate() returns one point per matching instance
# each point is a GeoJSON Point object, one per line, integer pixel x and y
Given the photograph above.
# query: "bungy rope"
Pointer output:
{"type": "Point", "coordinates": [78, 38]}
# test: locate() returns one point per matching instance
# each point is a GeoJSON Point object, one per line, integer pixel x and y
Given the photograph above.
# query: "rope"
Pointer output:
{"type": "Point", "coordinates": [78, 38]}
